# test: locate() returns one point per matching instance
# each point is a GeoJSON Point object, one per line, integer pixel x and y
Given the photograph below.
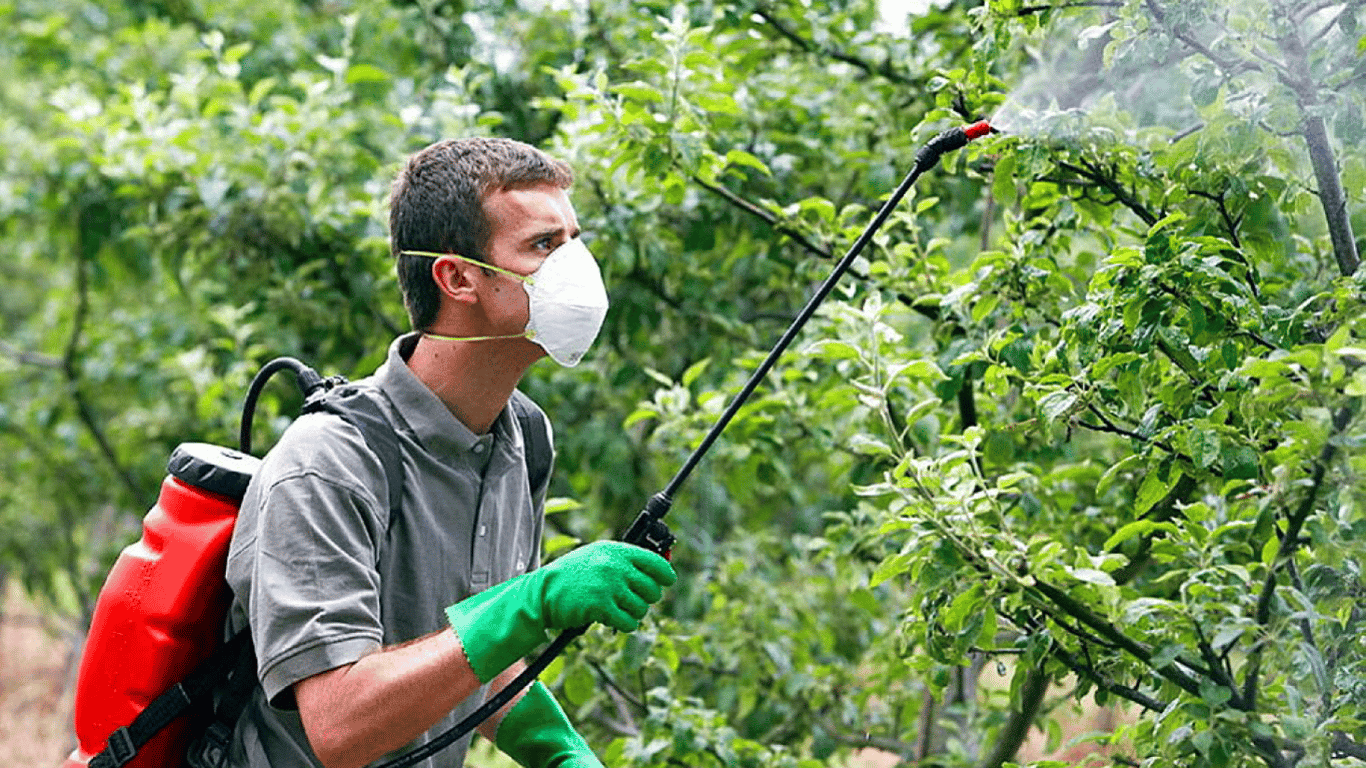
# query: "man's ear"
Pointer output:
{"type": "Point", "coordinates": [454, 278]}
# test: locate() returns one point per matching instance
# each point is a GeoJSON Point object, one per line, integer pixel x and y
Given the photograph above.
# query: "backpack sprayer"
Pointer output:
{"type": "Point", "coordinates": [151, 656]}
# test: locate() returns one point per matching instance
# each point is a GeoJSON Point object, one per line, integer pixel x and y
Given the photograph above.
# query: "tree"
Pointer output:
{"type": "Point", "coordinates": [1087, 411]}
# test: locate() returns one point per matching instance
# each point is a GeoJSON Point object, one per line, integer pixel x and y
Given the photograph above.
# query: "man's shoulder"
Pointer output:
{"type": "Point", "coordinates": [321, 445]}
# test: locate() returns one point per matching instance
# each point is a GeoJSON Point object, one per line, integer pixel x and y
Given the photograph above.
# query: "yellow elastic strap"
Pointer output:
{"type": "Point", "coordinates": [476, 262]}
{"type": "Point", "coordinates": [439, 337]}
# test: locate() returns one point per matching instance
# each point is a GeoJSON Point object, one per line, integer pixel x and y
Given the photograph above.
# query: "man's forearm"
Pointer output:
{"type": "Point", "coordinates": [355, 714]}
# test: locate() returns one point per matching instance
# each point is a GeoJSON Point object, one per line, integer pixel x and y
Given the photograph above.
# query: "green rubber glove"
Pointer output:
{"type": "Point", "coordinates": [536, 733]}
{"type": "Point", "coordinates": [609, 582]}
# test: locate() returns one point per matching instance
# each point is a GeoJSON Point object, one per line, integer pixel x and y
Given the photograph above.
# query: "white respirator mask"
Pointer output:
{"type": "Point", "coordinates": [567, 302]}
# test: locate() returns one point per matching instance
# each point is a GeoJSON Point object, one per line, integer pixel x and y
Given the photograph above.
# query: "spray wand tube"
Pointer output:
{"type": "Point", "coordinates": [648, 530]}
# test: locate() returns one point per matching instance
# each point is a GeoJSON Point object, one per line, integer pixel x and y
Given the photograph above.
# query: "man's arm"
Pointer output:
{"type": "Point", "coordinates": [356, 713]}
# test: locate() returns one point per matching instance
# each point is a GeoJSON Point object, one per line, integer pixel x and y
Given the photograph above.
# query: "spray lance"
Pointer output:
{"type": "Point", "coordinates": [648, 530]}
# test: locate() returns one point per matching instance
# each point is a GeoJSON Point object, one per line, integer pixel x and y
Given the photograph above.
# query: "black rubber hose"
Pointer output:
{"type": "Point", "coordinates": [307, 379]}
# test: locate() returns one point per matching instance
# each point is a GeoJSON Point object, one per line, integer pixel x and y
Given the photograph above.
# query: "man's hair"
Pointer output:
{"type": "Point", "coordinates": [437, 204]}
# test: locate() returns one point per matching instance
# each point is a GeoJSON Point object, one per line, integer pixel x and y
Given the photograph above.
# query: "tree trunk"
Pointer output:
{"type": "Point", "coordinates": [1326, 176]}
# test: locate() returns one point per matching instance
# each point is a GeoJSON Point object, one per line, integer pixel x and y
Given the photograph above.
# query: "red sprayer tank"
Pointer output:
{"type": "Point", "coordinates": [161, 610]}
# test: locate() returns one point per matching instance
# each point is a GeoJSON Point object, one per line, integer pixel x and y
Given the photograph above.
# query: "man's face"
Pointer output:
{"type": "Point", "coordinates": [525, 226]}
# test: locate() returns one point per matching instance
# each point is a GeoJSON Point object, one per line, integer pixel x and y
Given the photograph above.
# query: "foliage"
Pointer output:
{"type": "Point", "coordinates": [1090, 404]}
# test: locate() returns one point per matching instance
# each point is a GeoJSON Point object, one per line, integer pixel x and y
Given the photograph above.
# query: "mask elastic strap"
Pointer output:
{"type": "Point", "coordinates": [440, 337]}
{"type": "Point", "coordinates": [432, 254]}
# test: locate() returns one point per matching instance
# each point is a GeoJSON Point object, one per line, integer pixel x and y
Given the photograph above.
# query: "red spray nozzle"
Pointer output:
{"type": "Point", "coordinates": [978, 129]}
{"type": "Point", "coordinates": [949, 140]}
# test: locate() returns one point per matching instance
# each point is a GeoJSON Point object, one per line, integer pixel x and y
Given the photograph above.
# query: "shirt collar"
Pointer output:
{"type": "Point", "coordinates": [426, 416]}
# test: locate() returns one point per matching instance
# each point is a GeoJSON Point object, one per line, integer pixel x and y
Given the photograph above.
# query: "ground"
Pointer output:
{"type": "Point", "coordinates": [34, 713]}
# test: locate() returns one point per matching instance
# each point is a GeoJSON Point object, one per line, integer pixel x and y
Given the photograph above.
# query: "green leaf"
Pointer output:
{"type": "Point", "coordinates": [1092, 576]}
{"type": "Point", "coordinates": [1155, 487]}
{"type": "Point", "coordinates": [695, 370]}
{"type": "Point", "coordinates": [867, 445]}
{"type": "Point", "coordinates": [722, 103]}
{"type": "Point", "coordinates": [579, 685]}
{"type": "Point", "coordinates": [1056, 405]}
{"type": "Point", "coordinates": [559, 543]}
{"type": "Point", "coordinates": [558, 504]}
{"type": "Point", "coordinates": [638, 91]}
{"type": "Point", "coordinates": [916, 370]}
{"type": "Point", "coordinates": [1270, 549]}
{"type": "Point", "coordinates": [366, 73]}
{"type": "Point", "coordinates": [830, 349]}
{"type": "Point", "coordinates": [1240, 462]}
{"type": "Point", "coordinates": [1205, 447]}
{"type": "Point", "coordinates": [740, 157]}
{"type": "Point", "coordinates": [665, 651]}
{"type": "Point", "coordinates": [865, 599]}
{"type": "Point", "coordinates": [1003, 181]}
{"type": "Point", "coordinates": [984, 306]}
{"type": "Point", "coordinates": [964, 603]}
{"type": "Point", "coordinates": [890, 568]}
{"type": "Point", "coordinates": [639, 415]}
{"type": "Point", "coordinates": [1129, 531]}
{"type": "Point", "coordinates": [1115, 471]}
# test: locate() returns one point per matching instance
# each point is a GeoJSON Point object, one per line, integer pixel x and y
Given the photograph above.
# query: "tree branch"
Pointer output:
{"type": "Point", "coordinates": [1112, 428]}
{"type": "Point", "coordinates": [1105, 629]}
{"type": "Point", "coordinates": [1016, 729]}
{"type": "Point", "coordinates": [1032, 9]}
{"type": "Point", "coordinates": [1229, 67]}
{"type": "Point", "coordinates": [1344, 746]}
{"type": "Point", "coordinates": [1231, 223]}
{"type": "Point", "coordinates": [800, 238]}
{"type": "Point", "coordinates": [772, 220]}
{"type": "Point", "coordinates": [24, 357]}
{"type": "Point", "coordinates": [1123, 691]}
{"type": "Point", "coordinates": [1331, 195]}
{"type": "Point", "coordinates": [884, 70]}
{"type": "Point", "coordinates": [70, 369]}
{"type": "Point", "coordinates": [1109, 184]}
{"type": "Point", "coordinates": [1289, 542]}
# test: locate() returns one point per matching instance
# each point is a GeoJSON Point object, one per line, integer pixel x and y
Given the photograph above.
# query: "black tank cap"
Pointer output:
{"type": "Point", "coordinates": [213, 468]}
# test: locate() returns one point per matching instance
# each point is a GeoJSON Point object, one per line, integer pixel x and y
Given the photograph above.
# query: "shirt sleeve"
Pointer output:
{"type": "Point", "coordinates": [303, 564]}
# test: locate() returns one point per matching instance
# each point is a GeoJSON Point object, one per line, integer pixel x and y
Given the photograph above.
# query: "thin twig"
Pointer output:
{"type": "Point", "coordinates": [24, 357]}
{"type": "Point", "coordinates": [884, 70]}
{"type": "Point", "coordinates": [71, 370]}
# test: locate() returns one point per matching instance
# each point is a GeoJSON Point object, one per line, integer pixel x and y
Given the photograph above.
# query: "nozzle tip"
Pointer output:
{"type": "Point", "coordinates": [978, 129]}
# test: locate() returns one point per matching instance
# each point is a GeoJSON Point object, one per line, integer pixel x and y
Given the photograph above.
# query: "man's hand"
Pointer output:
{"type": "Point", "coordinates": [608, 581]}
{"type": "Point", "coordinates": [536, 733]}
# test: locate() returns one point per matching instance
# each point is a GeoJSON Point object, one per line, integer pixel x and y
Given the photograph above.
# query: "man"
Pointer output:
{"type": "Point", "coordinates": [373, 634]}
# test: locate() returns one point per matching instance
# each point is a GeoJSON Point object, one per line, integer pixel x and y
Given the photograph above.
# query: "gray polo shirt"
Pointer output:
{"type": "Point", "coordinates": [322, 576]}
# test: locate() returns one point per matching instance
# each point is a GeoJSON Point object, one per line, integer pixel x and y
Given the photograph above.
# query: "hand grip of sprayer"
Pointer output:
{"type": "Point", "coordinates": [649, 531]}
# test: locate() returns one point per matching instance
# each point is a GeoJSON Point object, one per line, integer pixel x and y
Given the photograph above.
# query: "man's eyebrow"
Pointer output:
{"type": "Point", "coordinates": [552, 232]}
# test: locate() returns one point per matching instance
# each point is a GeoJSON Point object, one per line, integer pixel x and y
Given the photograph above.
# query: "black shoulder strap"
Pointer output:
{"type": "Point", "coordinates": [536, 438]}
{"type": "Point", "coordinates": [360, 411]}
{"type": "Point", "coordinates": [196, 690]}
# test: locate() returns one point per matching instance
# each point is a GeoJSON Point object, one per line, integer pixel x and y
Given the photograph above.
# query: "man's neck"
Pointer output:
{"type": "Point", "coordinates": [473, 378]}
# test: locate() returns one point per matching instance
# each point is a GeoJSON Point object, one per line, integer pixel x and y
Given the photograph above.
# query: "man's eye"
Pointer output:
{"type": "Point", "coordinates": [546, 243]}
